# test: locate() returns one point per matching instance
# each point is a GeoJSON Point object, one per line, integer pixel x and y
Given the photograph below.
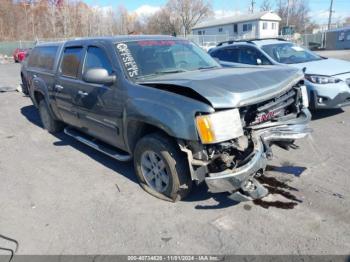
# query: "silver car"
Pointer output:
{"type": "Point", "coordinates": [327, 79]}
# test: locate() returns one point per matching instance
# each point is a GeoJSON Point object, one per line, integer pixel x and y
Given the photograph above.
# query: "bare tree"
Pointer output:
{"type": "Point", "coordinates": [164, 22]}
{"type": "Point", "coordinates": [49, 19]}
{"type": "Point", "coordinates": [298, 14]}
{"type": "Point", "coordinates": [190, 12]}
{"type": "Point", "coordinates": [347, 21]}
{"type": "Point", "coordinates": [266, 6]}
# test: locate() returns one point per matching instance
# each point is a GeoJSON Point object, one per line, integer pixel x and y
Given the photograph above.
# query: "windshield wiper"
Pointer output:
{"type": "Point", "coordinates": [163, 72]}
{"type": "Point", "coordinates": [169, 71]}
{"type": "Point", "coordinates": [207, 67]}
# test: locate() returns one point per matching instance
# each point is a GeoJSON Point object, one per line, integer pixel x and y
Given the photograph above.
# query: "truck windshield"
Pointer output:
{"type": "Point", "coordinates": [289, 53]}
{"type": "Point", "coordinates": [150, 58]}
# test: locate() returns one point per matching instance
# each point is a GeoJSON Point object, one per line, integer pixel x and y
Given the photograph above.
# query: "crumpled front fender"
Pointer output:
{"type": "Point", "coordinates": [231, 180]}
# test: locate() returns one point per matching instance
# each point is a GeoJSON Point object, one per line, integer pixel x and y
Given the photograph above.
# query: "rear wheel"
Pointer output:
{"type": "Point", "coordinates": [161, 168]}
{"type": "Point", "coordinates": [24, 85]}
{"type": "Point", "coordinates": [49, 123]}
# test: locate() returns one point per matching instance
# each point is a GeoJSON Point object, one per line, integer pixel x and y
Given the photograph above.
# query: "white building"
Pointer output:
{"type": "Point", "coordinates": [257, 25]}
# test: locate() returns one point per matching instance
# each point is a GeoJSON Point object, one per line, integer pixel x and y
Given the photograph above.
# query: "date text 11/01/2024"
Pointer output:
{"type": "Point", "coordinates": [175, 258]}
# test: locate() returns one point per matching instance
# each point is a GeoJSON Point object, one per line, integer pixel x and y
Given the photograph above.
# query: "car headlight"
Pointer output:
{"type": "Point", "coordinates": [304, 96]}
{"type": "Point", "coordinates": [220, 126]}
{"type": "Point", "coordinates": [322, 79]}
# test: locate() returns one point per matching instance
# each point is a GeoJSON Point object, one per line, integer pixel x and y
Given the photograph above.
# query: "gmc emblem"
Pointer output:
{"type": "Point", "coordinates": [265, 117]}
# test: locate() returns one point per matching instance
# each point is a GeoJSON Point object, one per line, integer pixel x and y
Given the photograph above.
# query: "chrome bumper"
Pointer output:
{"type": "Point", "coordinates": [231, 180]}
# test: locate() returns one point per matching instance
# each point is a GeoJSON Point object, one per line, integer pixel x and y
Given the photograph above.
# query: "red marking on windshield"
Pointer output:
{"type": "Point", "coordinates": [161, 42]}
{"type": "Point", "coordinates": [156, 43]}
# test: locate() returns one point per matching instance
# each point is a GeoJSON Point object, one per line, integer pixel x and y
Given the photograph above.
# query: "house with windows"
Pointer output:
{"type": "Point", "coordinates": [256, 25]}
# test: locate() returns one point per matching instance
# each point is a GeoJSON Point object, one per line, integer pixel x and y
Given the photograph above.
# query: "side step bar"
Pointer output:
{"type": "Point", "coordinates": [99, 146]}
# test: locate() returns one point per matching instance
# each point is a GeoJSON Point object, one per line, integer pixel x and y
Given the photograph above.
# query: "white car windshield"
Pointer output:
{"type": "Point", "coordinates": [149, 58]}
{"type": "Point", "coordinates": [288, 53]}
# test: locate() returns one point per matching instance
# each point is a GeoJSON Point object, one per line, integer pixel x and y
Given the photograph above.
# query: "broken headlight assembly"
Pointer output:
{"type": "Point", "coordinates": [304, 96]}
{"type": "Point", "coordinates": [220, 126]}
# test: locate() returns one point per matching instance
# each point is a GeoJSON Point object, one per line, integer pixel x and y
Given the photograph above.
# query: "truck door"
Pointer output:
{"type": "Point", "coordinates": [100, 106]}
{"type": "Point", "coordinates": [68, 83]}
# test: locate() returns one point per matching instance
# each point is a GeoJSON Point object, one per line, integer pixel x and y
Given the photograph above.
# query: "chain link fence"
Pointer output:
{"type": "Point", "coordinates": [7, 48]}
{"type": "Point", "coordinates": [203, 40]}
{"type": "Point", "coordinates": [313, 41]}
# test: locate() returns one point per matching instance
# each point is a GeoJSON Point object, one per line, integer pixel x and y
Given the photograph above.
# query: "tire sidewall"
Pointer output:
{"type": "Point", "coordinates": [156, 145]}
{"type": "Point", "coordinates": [25, 86]}
{"type": "Point", "coordinates": [43, 109]}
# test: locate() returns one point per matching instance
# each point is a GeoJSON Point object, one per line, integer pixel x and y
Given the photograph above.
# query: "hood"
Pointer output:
{"type": "Point", "coordinates": [326, 67]}
{"type": "Point", "coordinates": [233, 87]}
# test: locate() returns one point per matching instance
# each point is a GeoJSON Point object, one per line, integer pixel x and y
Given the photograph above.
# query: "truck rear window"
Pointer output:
{"type": "Point", "coordinates": [43, 57]}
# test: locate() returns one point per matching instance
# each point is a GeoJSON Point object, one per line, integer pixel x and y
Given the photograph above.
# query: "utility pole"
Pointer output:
{"type": "Point", "coordinates": [330, 15]}
{"type": "Point", "coordinates": [288, 13]}
{"type": "Point", "coordinates": [252, 3]}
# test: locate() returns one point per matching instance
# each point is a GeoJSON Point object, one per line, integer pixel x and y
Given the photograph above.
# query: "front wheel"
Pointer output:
{"type": "Point", "coordinates": [161, 168]}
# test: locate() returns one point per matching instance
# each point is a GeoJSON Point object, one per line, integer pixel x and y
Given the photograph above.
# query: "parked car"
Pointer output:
{"type": "Point", "coordinates": [24, 65]}
{"type": "Point", "coordinates": [167, 104]}
{"type": "Point", "coordinates": [20, 54]}
{"type": "Point", "coordinates": [327, 79]}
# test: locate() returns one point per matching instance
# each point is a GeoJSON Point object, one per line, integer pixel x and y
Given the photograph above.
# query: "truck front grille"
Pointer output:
{"type": "Point", "coordinates": [271, 109]}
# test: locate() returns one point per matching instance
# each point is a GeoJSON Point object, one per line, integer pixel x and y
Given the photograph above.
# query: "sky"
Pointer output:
{"type": "Point", "coordinates": [318, 8]}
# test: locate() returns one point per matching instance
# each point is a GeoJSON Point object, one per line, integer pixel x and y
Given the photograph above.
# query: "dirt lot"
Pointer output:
{"type": "Point", "coordinates": [61, 197]}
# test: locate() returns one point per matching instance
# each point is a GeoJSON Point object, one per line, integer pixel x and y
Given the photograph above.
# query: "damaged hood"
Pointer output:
{"type": "Point", "coordinates": [232, 87]}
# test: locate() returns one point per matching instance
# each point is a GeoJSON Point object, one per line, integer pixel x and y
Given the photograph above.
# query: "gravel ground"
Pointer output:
{"type": "Point", "coordinates": [61, 197]}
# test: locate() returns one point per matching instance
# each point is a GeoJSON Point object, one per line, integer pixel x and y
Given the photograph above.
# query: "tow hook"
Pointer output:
{"type": "Point", "coordinates": [251, 189]}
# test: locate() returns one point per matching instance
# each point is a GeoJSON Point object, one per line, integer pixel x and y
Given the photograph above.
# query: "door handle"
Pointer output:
{"type": "Point", "coordinates": [59, 87]}
{"type": "Point", "coordinates": [82, 93]}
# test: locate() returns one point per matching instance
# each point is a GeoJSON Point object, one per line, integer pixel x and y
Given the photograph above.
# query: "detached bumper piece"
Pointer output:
{"type": "Point", "coordinates": [240, 181]}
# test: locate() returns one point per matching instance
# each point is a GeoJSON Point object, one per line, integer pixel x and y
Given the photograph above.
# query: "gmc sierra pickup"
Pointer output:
{"type": "Point", "coordinates": [166, 104]}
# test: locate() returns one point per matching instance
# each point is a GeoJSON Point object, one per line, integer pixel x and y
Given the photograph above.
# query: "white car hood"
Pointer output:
{"type": "Point", "coordinates": [326, 67]}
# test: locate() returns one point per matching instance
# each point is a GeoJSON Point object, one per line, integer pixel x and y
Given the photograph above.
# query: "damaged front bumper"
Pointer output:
{"type": "Point", "coordinates": [240, 181]}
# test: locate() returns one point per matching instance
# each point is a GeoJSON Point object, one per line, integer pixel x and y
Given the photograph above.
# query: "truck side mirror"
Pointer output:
{"type": "Point", "coordinates": [99, 76]}
{"type": "Point", "coordinates": [258, 61]}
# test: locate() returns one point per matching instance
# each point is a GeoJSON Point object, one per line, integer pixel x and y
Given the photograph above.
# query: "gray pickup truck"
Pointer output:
{"type": "Point", "coordinates": [169, 106]}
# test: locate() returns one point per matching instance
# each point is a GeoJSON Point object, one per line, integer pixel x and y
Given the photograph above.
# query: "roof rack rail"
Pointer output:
{"type": "Point", "coordinates": [269, 38]}
{"type": "Point", "coordinates": [250, 40]}
{"type": "Point", "coordinates": [234, 41]}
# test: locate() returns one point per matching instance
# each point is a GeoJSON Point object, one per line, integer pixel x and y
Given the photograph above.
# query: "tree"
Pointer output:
{"type": "Point", "coordinates": [266, 6]}
{"type": "Point", "coordinates": [189, 12]}
{"type": "Point", "coordinates": [164, 22]}
{"type": "Point", "coordinates": [347, 21]}
{"type": "Point", "coordinates": [297, 12]}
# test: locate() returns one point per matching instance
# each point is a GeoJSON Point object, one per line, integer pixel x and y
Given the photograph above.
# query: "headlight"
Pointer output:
{"type": "Point", "coordinates": [322, 79]}
{"type": "Point", "coordinates": [304, 96]}
{"type": "Point", "coordinates": [220, 126]}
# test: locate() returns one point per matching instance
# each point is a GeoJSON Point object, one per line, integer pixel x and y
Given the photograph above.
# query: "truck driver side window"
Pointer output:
{"type": "Point", "coordinates": [97, 58]}
{"type": "Point", "coordinates": [71, 61]}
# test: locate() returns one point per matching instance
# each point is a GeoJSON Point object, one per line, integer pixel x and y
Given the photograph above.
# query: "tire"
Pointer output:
{"type": "Point", "coordinates": [175, 167]}
{"type": "Point", "coordinates": [49, 123]}
{"type": "Point", "coordinates": [24, 86]}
